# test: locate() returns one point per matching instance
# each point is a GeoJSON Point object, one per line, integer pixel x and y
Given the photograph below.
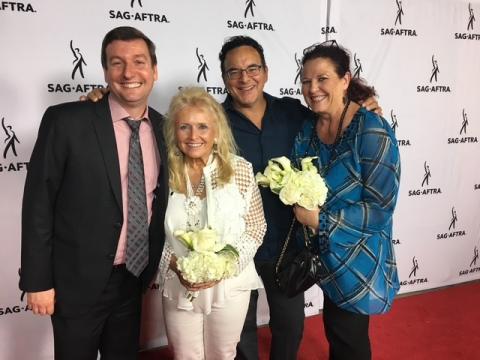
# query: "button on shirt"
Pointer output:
{"type": "Point", "coordinates": [151, 163]}
{"type": "Point", "coordinates": [280, 124]}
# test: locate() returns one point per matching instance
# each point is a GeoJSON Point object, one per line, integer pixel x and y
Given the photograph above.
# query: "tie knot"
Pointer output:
{"type": "Point", "coordinates": [134, 124]}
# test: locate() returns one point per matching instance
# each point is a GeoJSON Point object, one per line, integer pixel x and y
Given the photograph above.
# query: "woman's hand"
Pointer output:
{"type": "Point", "coordinates": [197, 286]}
{"type": "Point", "coordinates": [95, 95]}
{"type": "Point", "coordinates": [307, 217]}
{"type": "Point", "coordinates": [371, 104]}
{"type": "Point", "coordinates": [189, 286]}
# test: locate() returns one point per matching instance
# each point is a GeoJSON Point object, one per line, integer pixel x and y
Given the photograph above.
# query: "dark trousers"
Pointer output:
{"type": "Point", "coordinates": [286, 320]}
{"type": "Point", "coordinates": [347, 333]}
{"type": "Point", "coordinates": [111, 326]}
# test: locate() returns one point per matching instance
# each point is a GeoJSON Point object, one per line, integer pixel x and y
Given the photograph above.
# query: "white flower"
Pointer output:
{"type": "Point", "coordinates": [185, 238]}
{"type": "Point", "coordinates": [276, 174]}
{"type": "Point", "coordinates": [201, 240]}
{"type": "Point", "coordinates": [314, 190]}
{"type": "Point", "coordinates": [307, 164]}
{"type": "Point", "coordinates": [208, 260]}
{"type": "Point", "coordinates": [291, 192]}
{"type": "Point", "coordinates": [303, 187]}
{"type": "Point", "coordinates": [206, 240]}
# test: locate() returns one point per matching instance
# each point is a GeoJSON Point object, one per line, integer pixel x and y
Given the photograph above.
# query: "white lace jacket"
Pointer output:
{"type": "Point", "coordinates": [235, 211]}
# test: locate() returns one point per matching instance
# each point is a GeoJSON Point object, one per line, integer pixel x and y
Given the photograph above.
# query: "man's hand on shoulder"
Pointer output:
{"type": "Point", "coordinates": [371, 104]}
{"type": "Point", "coordinates": [42, 302]}
{"type": "Point", "coordinates": [95, 95]}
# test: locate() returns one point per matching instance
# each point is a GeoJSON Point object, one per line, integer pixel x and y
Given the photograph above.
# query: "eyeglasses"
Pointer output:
{"type": "Point", "coordinates": [252, 70]}
{"type": "Point", "coordinates": [314, 46]}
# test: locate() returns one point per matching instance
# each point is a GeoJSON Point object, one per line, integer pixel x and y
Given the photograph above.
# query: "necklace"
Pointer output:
{"type": "Point", "coordinates": [338, 133]}
{"type": "Point", "coordinates": [198, 190]}
{"type": "Point", "coordinates": [193, 203]}
{"type": "Point", "coordinates": [325, 169]}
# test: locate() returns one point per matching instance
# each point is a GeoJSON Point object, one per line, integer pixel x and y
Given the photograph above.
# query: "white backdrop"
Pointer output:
{"type": "Point", "coordinates": [422, 57]}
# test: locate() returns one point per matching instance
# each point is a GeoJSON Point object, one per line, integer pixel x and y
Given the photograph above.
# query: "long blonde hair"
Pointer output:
{"type": "Point", "coordinates": [225, 145]}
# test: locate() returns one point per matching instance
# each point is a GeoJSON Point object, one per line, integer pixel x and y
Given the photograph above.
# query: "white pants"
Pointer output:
{"type": "Point", "coordinates": [195, 336]}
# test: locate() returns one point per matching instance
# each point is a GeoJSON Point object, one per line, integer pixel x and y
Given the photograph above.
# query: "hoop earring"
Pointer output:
{"type": "Point", "coordinates": [215, 146]}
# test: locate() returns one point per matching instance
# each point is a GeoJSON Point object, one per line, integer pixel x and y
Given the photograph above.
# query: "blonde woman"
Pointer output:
{"type": "Point", "coordinates": [211, 185]}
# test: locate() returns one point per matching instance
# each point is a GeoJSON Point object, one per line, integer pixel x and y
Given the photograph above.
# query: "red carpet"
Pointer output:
{"type": "Point", "coordinates": [438, 324]}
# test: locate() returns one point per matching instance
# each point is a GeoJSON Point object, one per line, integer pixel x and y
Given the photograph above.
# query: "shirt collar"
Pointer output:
{"type": "Point", "coordinates": [228, 103]}
{"type": "Point", "coordinates": [118, 112]}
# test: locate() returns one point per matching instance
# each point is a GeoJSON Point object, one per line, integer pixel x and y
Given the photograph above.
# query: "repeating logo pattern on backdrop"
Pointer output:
{"type": "Point", "coordinates": [432, 87]}
{"type": "Point", "coordinates": [435, 69]}
{"type": "Point", "coordinates": [453, 230]}
{"type": "Point", "coordinates": [133, 15]}
{"type": "Point", "coordinates": [414, 277]}
{"type": "Point", "coordinates": [413, 272]}
{"type": "Point", "coordinates": [10, 140]}
{"type": "Point", "coordinates": [9, 151]}
{"type": "Point", "coordinates": [394, 122]}
{"type": "Point", "coordinates": [471, 17]}
{"type": "Point", "coordinates": [294, 90]}
{"type": "Point", "coordinates": [473, 267]}
{"type": "Point", "coordinates": [394, 125]}
{"type": "Point", "coordinates": [249, 13]}
{"type": "Point", "coordinates": [358, 66]}
{"type": "Point", "coordinates": [17, 7]}
{"type": "Point", "coordinates": [425, 189]}
{"type": "Point", "coordinates": [399, 13]}
{"type": "Point", "coordinates": [475, 257]}
{"type": "Point", "coordinates": [397, 30]}
{"type": "Point", "coordinates": [396, 242]}
{"type": "Point", "coordinates": [78, 62]}
{"type": "Point", "coordinates": [470, 20]}
{"type": "Point", "coordinates": [202, 66]}
{"type": "Point", "coordinates": [463, 127]}
{"type": "Point", "coordinates": [139, 2]}
{"type": "Point", "coordinates": [249, 8]}
{"type": "Point", "coordinates": [298, 73]}
{"type": "Point", "coordinates": [79, 65]}
{"type": "Point", "coordinates": [308, 304]}
{"type": "Point", "coordinates": [202, 69]}
{"type": "Point", "coordinates": [327, 30]}
{"type": "Point", "coordinates": [15, 309]}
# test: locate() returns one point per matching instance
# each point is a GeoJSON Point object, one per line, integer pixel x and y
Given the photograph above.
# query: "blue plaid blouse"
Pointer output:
{"type": "Point", "coordinates": [362, 173]}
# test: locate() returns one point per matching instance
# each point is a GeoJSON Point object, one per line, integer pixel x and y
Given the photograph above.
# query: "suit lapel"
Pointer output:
{"type": "Point", "coordinates": [157, 129]}
{"type": "Point", "coordinates": [106, 139]}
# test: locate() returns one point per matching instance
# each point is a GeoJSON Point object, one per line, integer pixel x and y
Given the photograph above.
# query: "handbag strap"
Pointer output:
{"type": "Point", "coordinates": [287, 240]}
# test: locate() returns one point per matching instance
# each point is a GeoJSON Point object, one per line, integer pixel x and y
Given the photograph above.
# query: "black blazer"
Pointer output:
{"type": "Point", "coordinates": [72, 205]}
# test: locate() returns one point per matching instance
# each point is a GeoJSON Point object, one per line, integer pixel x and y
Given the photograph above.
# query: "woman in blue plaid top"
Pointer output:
{"type": "Point", "coordinates": [359, 160]}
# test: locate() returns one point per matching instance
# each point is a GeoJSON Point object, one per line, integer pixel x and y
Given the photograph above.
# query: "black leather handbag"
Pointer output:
{"type": "Point", "coordinates": [297, 271]}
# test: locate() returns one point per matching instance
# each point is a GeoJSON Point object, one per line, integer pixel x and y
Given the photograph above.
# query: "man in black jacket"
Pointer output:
{"type": "Point", "coordinates": [75, 208]}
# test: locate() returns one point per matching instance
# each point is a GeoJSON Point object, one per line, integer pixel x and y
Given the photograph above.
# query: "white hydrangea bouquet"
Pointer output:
{"type": "Point", "coordinates": [207, 260]}
{"type": "Point", "coordinates": [304, 187]}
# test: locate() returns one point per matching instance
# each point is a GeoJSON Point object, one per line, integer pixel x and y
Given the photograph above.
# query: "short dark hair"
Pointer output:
{"type": "Point", "coordinates": [126, 33]}
{"type": "Point", "coordinates": [235, 42]}
{"type": "Point", "coordinates": [358, 90]}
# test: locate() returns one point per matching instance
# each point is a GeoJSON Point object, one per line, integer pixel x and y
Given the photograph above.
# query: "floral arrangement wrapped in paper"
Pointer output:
{"type": "Point", "coordinates": [304, 187]}
{"type": "Point", "coordinates": [207, 260]}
